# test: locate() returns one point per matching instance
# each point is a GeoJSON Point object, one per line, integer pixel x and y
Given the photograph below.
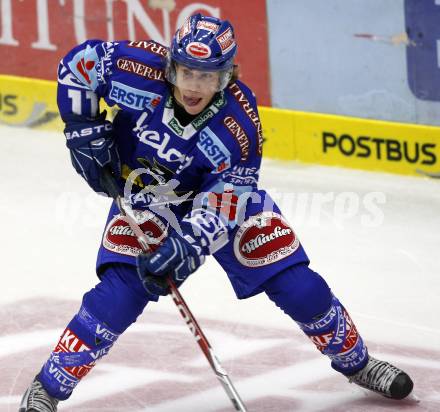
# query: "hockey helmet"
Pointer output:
{"type": "Point", "coordinates": [205, 44]}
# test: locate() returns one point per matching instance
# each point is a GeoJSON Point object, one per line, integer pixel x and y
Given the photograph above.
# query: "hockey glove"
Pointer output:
{"type": "Point", "coordinates": [91, 147]}
{"type": "Point", "coordinates": [176, 257]}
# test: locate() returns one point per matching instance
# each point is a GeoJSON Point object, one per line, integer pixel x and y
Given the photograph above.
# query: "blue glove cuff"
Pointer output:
{"type": "Point", "coordinates": [81, 130]}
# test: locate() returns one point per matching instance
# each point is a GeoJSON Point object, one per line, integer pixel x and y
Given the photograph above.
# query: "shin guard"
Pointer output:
{"type": "Point", "coordinates": [83, 342]}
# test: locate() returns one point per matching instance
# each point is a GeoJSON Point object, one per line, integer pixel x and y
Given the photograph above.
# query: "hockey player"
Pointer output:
{"type": "Point", "coordinates": [187, 135]}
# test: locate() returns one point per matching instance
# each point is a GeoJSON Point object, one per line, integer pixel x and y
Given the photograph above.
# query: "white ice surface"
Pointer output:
{"type": "Point", "coordinates": [381, 258]}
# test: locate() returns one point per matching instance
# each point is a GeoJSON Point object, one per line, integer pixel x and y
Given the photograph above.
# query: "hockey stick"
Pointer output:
{"type": "Point", "coordinates": [109, 184]}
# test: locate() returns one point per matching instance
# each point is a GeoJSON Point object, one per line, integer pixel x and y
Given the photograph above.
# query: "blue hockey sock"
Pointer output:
{"type": "Point", "coordinates": [107, 311]}
{"type": "Point", "coordinates": [300, 292]}
{"type": "Point", "coordinates": [119, 298]}
{"type": "Point", "coordinates": [336, 336]}
{"type": "Point", "coordinates": [83, 342]}
{"type": "Point", "coordinates": [305, 296]}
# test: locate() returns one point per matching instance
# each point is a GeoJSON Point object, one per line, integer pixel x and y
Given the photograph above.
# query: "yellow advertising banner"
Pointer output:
{"type": "Point", "coordinates": [367, 144]}
{"type": "Point", "coordinates": [278, 133]}
{"type": "Point", "coordinates": [29, 102]}
{"type": "Point", "coordinates": [351, 142]}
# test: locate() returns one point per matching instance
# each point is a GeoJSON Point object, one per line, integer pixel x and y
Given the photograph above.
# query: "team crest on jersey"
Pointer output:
{"type": "Point", "coordinates": [120, 238]}
{"type": "Point", "coordinates": [264, 239]}
{"type": "Point", "coordinates": [161, 176]}
{"type": "Point", "coordinates": [159, 173]}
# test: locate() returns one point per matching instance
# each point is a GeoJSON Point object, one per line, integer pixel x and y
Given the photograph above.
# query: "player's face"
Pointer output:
{"type": "Point", "coordinates": [195, 89]}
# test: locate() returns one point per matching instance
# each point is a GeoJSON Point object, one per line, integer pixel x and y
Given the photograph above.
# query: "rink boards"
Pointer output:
{"type": "Point", "coordinates": [288, 135]}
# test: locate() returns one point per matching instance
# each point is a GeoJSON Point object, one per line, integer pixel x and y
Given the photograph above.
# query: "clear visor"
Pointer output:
{"type": "Point", "coordinates": [194, 80]}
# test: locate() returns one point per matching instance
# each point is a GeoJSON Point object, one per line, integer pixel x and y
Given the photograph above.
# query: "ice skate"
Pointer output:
{"type": "Point", "coordinates": [383, 378]}
{"type": "Point", "coordinates": [36, 399]}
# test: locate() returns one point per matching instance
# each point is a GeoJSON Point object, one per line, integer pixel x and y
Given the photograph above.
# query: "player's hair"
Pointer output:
{"type": "Point", "coordinates": [236, 74]}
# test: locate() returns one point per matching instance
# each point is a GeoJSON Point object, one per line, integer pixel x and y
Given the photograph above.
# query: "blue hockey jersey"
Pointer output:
{"type": "Point", "coordinates": [201, 175]}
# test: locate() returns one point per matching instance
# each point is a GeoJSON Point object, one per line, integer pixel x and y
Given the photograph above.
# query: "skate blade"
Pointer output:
{"type": "Point", "coordinates": [413, 398]}
{"type": "Point", "coordinates": [410, 399]}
